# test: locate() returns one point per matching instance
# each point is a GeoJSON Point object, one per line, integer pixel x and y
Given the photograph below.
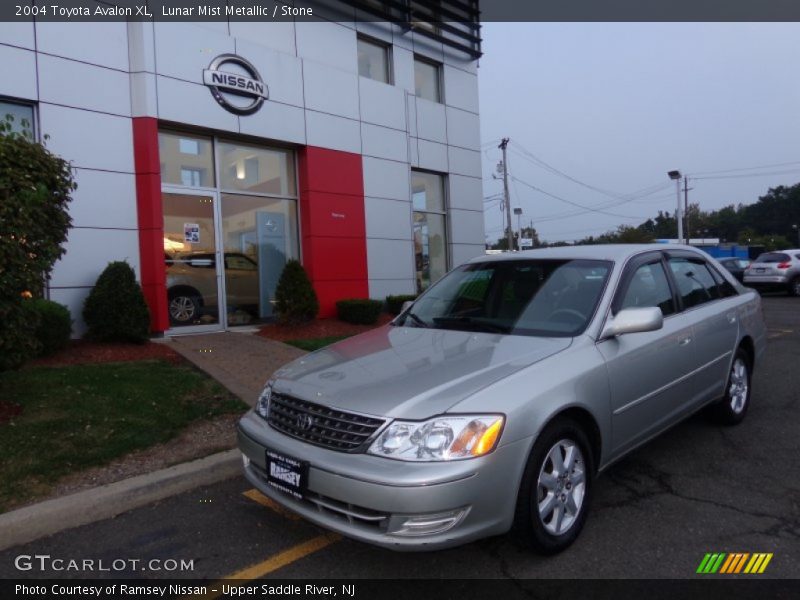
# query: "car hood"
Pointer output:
{"type": "Point", "coordinates": [410, 372]}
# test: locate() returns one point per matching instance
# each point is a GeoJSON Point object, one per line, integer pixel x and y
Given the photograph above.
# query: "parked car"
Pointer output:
{"type": "Point", "coordinates": [493, 402]}
{"type": "Point", "coordinates": [775, 271]}
{"type": "Point", "coordinates": [192, 284]}
{"type": "Point", "coordinates": [736, 265]}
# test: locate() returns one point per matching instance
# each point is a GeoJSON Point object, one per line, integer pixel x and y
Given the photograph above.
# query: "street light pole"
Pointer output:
{"type": "Point", "coordinates": [676, 177]}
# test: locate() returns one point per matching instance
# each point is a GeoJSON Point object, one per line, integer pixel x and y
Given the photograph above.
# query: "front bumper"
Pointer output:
{"type": "Point", "coordinates": [367, 497]}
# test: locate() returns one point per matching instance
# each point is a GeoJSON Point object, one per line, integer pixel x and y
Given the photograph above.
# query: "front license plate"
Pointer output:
{"type": "Point", "coordinates": [286, 473]}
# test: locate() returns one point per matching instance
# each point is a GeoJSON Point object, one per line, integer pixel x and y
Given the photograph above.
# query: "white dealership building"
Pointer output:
{"type": "Point", "coordinates": [208, 153]}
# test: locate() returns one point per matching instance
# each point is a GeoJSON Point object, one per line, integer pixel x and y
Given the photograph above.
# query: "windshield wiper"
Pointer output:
{"type": "Point", "coordinates": [417, 320]}
{"type": "Point", "coordinates": [472, 323]}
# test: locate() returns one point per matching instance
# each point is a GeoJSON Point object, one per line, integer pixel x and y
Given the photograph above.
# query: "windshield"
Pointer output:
{"type": "Point", "coordinates": [550, 298]}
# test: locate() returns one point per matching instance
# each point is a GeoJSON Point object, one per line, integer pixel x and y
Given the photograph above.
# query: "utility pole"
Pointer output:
{"type": "Point", "coordinates": [686, 189]}
{"type": "Point", "coordinates": [509, 233]}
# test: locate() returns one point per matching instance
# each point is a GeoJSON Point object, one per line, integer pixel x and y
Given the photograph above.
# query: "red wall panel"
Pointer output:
{"type": "Point", "coordinates": [333, 225]}
{"type": "Point", "coordinates": [150, 220]}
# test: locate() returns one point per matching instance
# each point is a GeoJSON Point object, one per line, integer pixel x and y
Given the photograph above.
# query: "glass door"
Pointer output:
{"type": "Point", "coordinates": [192, 260]}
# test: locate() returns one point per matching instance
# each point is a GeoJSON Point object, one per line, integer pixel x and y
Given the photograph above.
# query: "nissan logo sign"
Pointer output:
{"type": "Point", "coordinates": [239, 89]}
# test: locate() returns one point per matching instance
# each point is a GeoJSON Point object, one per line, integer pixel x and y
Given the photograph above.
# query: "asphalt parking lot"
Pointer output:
{"type": "Point", "coordinates": [696, 489]}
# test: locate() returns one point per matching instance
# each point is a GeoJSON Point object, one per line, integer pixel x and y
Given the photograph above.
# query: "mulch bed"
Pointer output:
{"type": "Point", "coordinates": [319, 328]}
{"type": "Point", "coordinates": [81, 352]}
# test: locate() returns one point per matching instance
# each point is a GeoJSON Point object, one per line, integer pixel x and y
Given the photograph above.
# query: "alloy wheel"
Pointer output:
{"type": "Point", "coordinates": [561, 487]}
{"type": "Point", "coordinates": [182, 308]}
{"type": "Point", "coordinates": [739, 385]}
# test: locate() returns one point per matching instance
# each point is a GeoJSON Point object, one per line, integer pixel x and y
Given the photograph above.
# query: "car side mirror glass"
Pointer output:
{"type": "Point", "coordinates": [634, 320]}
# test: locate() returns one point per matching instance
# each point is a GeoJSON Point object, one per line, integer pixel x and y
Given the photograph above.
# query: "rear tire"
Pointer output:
{"type": "Point", "coordinates": [794, 286]}
{"type": "Point", "coordinates": [732, 408]}
{"type": "Point", "coordinates": [556, 489]}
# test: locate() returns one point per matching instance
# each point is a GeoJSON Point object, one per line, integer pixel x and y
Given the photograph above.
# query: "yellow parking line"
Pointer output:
{"type": "Point", "coordinates": [257, 496]}
{"type": "Point", "coordinates": [271, 564]}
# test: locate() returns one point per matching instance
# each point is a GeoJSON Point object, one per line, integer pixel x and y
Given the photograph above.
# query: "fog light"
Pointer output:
{"type": "Point", "coordinates": [429, 524]}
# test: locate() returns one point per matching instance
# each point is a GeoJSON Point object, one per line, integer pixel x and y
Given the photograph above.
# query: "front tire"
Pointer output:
{"type": "Point", "coordinates": [556, 489]}
{"type": "Point", "coordinates": [184, 308]}
{"type": "Point", "coordinates": [732, 408]}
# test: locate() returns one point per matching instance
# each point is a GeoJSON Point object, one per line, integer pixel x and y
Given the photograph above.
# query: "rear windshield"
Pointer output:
{"type": "Point", "coordinates": [773, 257]}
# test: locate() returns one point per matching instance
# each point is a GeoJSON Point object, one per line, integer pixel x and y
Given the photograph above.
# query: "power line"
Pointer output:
{"type": "Point", "coordinates": [583, 206]}
{"type": "Point", "coordinates": [796, 162]}
{"type": "Point", "coordinates": [744, 175]}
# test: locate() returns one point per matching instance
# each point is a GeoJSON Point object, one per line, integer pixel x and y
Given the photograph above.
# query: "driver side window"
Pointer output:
{"type": "Point", "coordinates": [649, 287]}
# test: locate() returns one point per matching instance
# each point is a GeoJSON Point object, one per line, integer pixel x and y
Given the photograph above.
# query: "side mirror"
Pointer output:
{"type": "Point", "coordinates": [406, 305]}
{"type": "Point", "coordinates": [633, 320]}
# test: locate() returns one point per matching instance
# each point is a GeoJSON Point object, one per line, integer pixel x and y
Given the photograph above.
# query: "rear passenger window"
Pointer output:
{"type": "Point", "coordinates": [696, 286]}
{"type": "Point", "coordinates": [649, 287]}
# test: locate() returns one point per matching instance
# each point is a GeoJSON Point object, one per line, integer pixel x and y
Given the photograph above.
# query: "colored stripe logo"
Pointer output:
{"type": "Point", "coordinates": [734, 563]}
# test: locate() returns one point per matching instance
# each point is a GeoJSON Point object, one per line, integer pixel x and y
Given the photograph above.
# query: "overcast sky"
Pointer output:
{"type": "Point", "coordinates": [616, 106]}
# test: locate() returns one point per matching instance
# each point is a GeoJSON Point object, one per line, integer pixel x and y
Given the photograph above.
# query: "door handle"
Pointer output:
{"type": "Point", "coordinates": [684, 341]}
{"type": "Point", "coordinates": [732, 318]}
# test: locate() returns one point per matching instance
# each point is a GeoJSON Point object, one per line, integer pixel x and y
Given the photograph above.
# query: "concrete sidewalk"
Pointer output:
{"type": "Point", "coordinates": [241, 361]}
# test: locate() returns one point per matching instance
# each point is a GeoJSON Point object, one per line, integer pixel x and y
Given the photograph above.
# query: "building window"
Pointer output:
{"type": "Point", "coordinates": [19, 117]}
{"type": "Point", "coordinates": [373, 60]}
{"type": "Point", "coordinates": [430, 231]}
{"type": "Point", "coordinates": [191, 177]}
{"type": "Point", "coordinates": [186, 159]}
{"type": "Point", "coordinates": [427, 79]}
{"type": "Point", "coordinates": [424, 17]}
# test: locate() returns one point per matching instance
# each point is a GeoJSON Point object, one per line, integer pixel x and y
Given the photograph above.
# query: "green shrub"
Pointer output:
{"type": "Point", "coordinates": [35, 188]}
{"type": "Point", "coordinates": [18, 343]}
{"type": "Point", "coordinates": [54, 325]}
{"type": "Point", "coordinates": [295, 299]}
{"type": "Point", "coordinates": [115, 310]}
{"type": "Point", "coordinates": [394, 304]}
{"type": "Point", "coordinates": [360, 311]}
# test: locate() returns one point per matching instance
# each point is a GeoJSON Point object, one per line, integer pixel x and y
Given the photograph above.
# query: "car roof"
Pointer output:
{"type": "Point", "coordinates": [612, 252]}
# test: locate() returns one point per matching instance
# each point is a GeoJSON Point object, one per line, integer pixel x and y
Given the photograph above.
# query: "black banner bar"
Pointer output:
{"type": "Point", "coordinates": [339, 10]}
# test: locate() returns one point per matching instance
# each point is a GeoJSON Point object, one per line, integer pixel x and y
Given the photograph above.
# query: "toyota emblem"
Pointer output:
{"type": "Point", "coordinates": [304, 422]}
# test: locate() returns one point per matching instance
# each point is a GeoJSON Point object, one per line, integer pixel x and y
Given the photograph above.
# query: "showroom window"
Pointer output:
{"type": "Point", "coordinates": [430, 232]}
{"type": "Point", "coordinates": [19, 116]}
{"type": "Point", "coordinates": [427, 79]}
{"type": "Point", "coordinates": [373, 60]}
{"type": "Point", "coordinates": [230, 215]}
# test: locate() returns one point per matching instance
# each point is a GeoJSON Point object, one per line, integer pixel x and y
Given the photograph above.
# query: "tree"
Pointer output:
{"type": "Point", "coordinates": [35, 190]}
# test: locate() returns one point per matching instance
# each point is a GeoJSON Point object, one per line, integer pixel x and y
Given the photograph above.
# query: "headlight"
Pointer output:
{"type": "Point", "coordinates": [262, 404]}
{"type": "Point", "coordinates": [441, 438]}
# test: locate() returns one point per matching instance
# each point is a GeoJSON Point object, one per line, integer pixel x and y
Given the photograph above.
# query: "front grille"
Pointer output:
{"type": "Point", "coordinates": [320, 425]}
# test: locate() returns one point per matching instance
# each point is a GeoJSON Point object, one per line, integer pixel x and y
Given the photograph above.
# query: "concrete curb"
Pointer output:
{"type": "Point", "coordinates": [51, 516]}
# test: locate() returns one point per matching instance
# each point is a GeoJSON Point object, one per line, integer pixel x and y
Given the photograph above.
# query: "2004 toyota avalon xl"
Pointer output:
{"type": "Point", "coordinates": [492, 403]}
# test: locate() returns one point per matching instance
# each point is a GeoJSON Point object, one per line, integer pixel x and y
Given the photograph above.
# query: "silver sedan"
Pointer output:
{"type": "Point", "coordinates": [493, 402]}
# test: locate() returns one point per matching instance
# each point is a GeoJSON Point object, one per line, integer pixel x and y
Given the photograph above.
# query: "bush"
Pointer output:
{"type": "Point", "coordinates": [360, 311]}
{"type": "Point", "coordinates": [35, 188]}
{"type": "Point", "coordinates": [54, 325]}
{"type": "Point", "coordinates": [115, 310]}
{"type": "Point", "coordinates": [394, 304]}
{"type": "Point", "coordinates": [18, 341]}
{"type": "Point", "coordinates": [295, 299]}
